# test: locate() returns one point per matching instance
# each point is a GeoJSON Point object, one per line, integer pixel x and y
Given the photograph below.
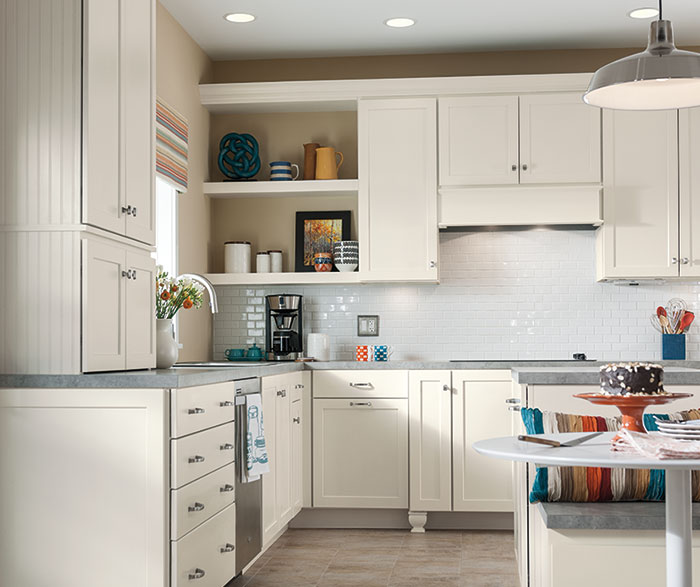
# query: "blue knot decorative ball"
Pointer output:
{"type": "Point", "coordinates": [238, 156]}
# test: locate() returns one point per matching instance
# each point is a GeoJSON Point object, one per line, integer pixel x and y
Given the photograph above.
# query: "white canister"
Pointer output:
{"type": "Point", "coordinates": [275, 261]}
{"type": "Point", "coordinates": [237, 257]}
{"type": "Point", "coordinates": [318, 346]}
{"type": "Point", "coordinates": [262, 262]}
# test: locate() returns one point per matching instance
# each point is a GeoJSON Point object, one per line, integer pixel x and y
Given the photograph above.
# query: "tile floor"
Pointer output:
{"type": "Point", "coordinates": [385, 558]}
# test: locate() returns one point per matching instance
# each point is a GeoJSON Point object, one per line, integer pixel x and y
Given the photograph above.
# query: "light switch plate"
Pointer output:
{"type": "Point", "coordinates": [368, 326]}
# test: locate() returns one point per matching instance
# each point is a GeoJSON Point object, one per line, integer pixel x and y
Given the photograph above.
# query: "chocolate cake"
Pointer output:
{"type": "Point", "coordinates": [632, 379]}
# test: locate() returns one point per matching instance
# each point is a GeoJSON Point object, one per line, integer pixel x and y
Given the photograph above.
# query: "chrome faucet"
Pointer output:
{"type": "Point", "coordinates": [213, 302]}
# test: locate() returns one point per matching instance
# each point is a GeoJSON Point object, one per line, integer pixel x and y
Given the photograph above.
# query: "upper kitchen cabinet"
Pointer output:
{"type": "Point", "coordinates": [689, 145]}
{"type": "Point", "coordinates": [549, 138]}
{"type": "Point", "coordinates": [397, 201]}
{"type": "Point", "coordinates": [118, 117]}
{"type": "Point", "coordinates": [640, 237]}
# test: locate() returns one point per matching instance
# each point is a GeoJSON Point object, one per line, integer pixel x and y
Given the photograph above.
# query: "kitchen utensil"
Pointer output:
{"type": "Point", "coordinates": [328, 161]}
{"type": "Point", "coordinates": [555, 443]}
{"type": "Point", "coordinates": [675, 308]}
{"type": "Point", "coordinates": [665, 324]}
{"type": "Point", "coordinates": [310, 160]}
{"type": "Point", "coordinates": [661, 311]}
{"type": "Point", "coordinates": [655, 323]}
{"type": "Point", "coordinates": [686, 321]}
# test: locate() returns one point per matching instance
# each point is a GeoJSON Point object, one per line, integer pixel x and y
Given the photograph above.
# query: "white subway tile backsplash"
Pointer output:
{"type": "Point", "coordinates": [507, 295]}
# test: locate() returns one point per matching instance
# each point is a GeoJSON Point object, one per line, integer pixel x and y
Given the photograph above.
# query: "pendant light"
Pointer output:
{"type": "Point", "coordinates": [659, 78]}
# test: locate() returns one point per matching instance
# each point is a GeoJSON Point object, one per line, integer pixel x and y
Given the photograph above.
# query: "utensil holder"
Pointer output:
{"type": "Point", "coordinates": [673, 347]}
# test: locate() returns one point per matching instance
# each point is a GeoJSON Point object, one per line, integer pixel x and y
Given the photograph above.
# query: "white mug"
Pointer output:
{"type": "Point", "coordinates": [282, 171]}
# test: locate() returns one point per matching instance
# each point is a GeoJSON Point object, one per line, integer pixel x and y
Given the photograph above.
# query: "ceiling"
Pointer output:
{"type": "Point", "coordinates": [326, 28]}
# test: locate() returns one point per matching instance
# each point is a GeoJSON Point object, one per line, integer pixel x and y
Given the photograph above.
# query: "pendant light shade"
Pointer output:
{"type": "Point", "coordinates": [659, 78]}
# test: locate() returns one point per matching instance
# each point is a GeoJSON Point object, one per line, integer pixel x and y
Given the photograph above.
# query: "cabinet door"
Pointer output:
{"type": "Point", "coordinates": [398, 189]}
{"type": "Point", "coordinates": [689, 141]}
{"type": "Point", "coordinates": [297, 462]}
{"type": "Point", "coordinates": [283, 452]}
{"type": "Point", "coordinates": [140, 311]}
{"type": "Point", "coordinates": [478, 140]}
{"type": "Point", "coordinates": [270, 520]}
{"type": "Point", "coordinates": [360, 453]}
{"type": "Point", "coordinates": [138, 105]}
{"type": "Point", "coordinates": [639, 237]}
{"type": "Point", "coordinates": [104, 305]}
{"type": "Point", "coordinates": [559, 139]}
{"type": "Point", "coordinates": [480, 411]}
{"type": "Point", "coordinates": [430, 440]}
{"type": "Point", "coordinates": [102, 180]}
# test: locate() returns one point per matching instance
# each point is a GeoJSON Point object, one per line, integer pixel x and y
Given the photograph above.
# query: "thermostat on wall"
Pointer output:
{"type": "Point", "coordinates": [368, 326]}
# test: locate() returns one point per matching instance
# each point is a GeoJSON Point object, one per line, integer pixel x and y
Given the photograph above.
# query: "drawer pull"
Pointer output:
{"type": "Point", "coordinates": [196, 459]}
{"type": "Point", "coordinates": [197, 507]}
{"type": "Point", "coordinates": [226, 488]}
{"type": "Point", "coordinates": [297, 420]}
{"type": "Point", "coordinates": [196, 411]}
{"type": "Point", "coordinates": [513, 400]}
{"type": "Point", "coordinates": [227, 446]}
{"type": "Point", "coordinates": [514, 408]}
{"type": "Point", "coordinates": [362, 385]}
{"type": "Point", "coordinates": [226, 404]}
{"type": "Point", "coordinates": [196, 574]}
{"type": "Point", "coordinates": [228, 548]}
{"type": "Point", "coordinates": [282, 393]}
{"type": "Point", "coordinates": [361, 404]}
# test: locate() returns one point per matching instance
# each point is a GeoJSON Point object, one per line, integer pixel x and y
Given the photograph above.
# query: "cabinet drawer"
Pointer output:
{"type": "Point", "coordinates": [197, 408]}
{"type": "Point", "coordinates": [360, 383]}
{"type": "Point", "coordinates": [206, 557]}
{"type": "Point", "coordinates": [200, 500]}
{"type": "Point", "coordinates": [196, 455]}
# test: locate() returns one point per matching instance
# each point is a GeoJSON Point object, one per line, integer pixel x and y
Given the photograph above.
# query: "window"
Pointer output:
{"type": "Point", "coordinates": [166, 227]}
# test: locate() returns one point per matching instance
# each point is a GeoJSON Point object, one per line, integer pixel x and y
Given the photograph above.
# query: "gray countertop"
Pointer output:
{"type": "Point", "coordinates": [527, 372]}
{"type": "Point", "coordinates": [634, 515]}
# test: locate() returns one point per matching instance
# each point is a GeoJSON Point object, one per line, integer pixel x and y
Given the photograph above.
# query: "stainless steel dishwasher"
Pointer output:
{"type": "Point", "coordinates": [248, 495]}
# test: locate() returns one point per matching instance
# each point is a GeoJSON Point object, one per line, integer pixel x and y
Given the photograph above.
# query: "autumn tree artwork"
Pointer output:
{"type": "Point", "coordinates": [316, 232]}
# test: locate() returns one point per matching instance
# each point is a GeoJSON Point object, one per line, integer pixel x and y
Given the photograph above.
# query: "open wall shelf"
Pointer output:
{"type": "Point", "coordinates": [314, 278]}
{"type": "Point", "coordinates": [281, 189]}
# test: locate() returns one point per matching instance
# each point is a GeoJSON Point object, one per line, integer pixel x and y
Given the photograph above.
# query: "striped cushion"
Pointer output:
{"type": "Point", "coordinates": [583, 484]}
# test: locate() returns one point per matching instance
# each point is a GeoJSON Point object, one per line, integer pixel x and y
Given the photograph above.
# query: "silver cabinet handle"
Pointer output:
{"type": "Point", "coordinates": [432, 264]}
{"type": "Point", "coordinates": [126, 274]}
{"type": "Point", "coordinates": [228, 548]}
{"type": "Point", "coordinates": [196, 459]}
{"type": "Point", "coordinates": [227, 446]}
{"type": "Point", "coordinates": [196, 574]}
{"type": "Point", "coordinates": [133, 211]}
{"type": "Point", "coordinates": [513, 400]}
{"type": "Point", "coordinates": [685, 260]}
{"type": "Point", "coordinates": [196, 507]}
{"type": "Point", "coordinates": [513, 408]}
{"type": "Point", "coordinates": [446, 387]}
{"type": "Point", "coordinates": [226, 404]}
{"type": "Point", "coordinates": [674, 260]}
{"type": "Point", "coordinates": [297, 420]}
{"type": "Point", "coordinates": [282, 393]}
{"type": "Point", "coordinates": [514, 167]}
{"type": "Point", "coordinates": [126, 210]}
{"type": "Point", "coordinates": [524, 166]}
{"type": "Point", "coordinates": [361, 404]}
{"type": "Point", "coordinates": [196, 411]}
{"type": "Point", "coordinates": [362, 385]}
{"type": "Point", "coordinates": [228, 488]}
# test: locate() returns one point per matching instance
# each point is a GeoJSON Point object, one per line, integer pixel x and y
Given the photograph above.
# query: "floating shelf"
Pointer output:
{"type": "Point", "coordinates": [314, 278]}
{"type": "Point", "coordinates": [281, 189]}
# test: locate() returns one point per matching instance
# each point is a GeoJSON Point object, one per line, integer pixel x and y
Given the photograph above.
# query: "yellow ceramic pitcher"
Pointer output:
{"type": "Point", "coordinates": [328, 161]}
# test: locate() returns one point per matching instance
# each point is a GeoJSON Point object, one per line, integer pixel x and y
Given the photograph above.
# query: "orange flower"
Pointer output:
{"type": "Point", "coordinates": [187, 304]}
{"type": "Point", "coordinates": [174, 288]}
{"type": "Point", "coordinates": [165, 295]}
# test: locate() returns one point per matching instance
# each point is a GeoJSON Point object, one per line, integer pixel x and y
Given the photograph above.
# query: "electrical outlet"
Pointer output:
{"type": "Point", "coordinates": [368, 326]}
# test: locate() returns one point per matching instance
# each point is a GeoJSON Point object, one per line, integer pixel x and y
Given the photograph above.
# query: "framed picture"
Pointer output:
{"type": "Point", "coordinates": [316, 232]}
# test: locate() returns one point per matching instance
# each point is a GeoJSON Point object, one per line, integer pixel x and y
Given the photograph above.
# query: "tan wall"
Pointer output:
{"type": "Point", "coordinates": [428, 65]}
{"type": "Point", "coordinates": [181, 66]}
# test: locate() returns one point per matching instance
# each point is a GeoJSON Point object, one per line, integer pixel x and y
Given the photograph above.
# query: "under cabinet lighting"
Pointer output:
{"type": "Point", "coordinates": [239, 17]}
{"type": "Point", "coordinates": [643, 13]}
{"type": "Point", "coordinates": [399, 23]}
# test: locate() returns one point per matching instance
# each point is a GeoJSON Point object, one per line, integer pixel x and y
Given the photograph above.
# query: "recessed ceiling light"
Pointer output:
{"type": "Point", "coordinates": [643, 13]}
{"type": "Point", "coordinates": [239, 17]}
{"type": "Point", "coordinates": [399, 23]}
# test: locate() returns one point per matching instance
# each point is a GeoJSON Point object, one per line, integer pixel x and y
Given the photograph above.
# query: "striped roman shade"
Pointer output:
{"type": "Point", "coordinates": [171, 146]}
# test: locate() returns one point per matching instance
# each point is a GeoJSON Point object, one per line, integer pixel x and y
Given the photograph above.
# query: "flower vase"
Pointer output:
{"type": "Point", "coordinates": [166, 347]}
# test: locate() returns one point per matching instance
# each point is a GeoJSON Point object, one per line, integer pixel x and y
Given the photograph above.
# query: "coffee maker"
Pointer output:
{"type": "Point", "coordinates": [283, 333]}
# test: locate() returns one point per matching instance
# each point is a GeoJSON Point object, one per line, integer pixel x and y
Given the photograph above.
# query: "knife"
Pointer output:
{"type": "Point", "coordinates": [556, 443]}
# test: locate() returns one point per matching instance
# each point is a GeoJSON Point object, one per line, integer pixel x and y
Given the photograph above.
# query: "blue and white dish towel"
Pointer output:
{"type": "Point", "coordinates": [256, 459]}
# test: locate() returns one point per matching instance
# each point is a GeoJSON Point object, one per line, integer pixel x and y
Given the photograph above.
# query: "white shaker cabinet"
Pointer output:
{"type": "Point", "coordinates": [430, 433]}
{"type": "Point", "coordinates": [397, 202]}
{"type": "Point", "coordinates": [480, 411]}
{"type": "Point", "coordinates": [548, 138]}
{"type": "Point", "coordinates": [689, 146]}
{"type": "Point", "coordinates": [119, 322]}
{"type": "Point", "coordinates": [118, 117]}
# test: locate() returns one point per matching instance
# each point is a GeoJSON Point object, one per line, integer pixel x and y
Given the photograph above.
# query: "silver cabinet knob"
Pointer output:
{"type": "Point", "coordinates": [228, 488]}
{"type": "Point", "coordinates": [524, 166]}
{"type": "Point", "coordinates": [196, 574]}
{"type": "Point", "coordinates": [133, 211]}
{"type": "Point", "coordinates": [195, 507]}
{"type": "Point", "coordinates": [685, 260]}
{"type": "Point", "coordinates": [126, 210]}
{"type": "Point", "coordinates": [674, 260]}
{"type": "Point", "coordinates": [196, 411]}
{"type": "Point", "coordinates": [297, 420]}
{"type": "Point", "coordinates": [227, 446]}
{"type": "Point", "coordinates": [196, 459]}
{"type": "Point", "coordinates": [513, 400]}
{"type": "Point", "coordinates": [282, 393]}
{"type": "Point", "coordinates": [126, 274]}
{"type": "Point", "coordinates": [514, 167]}
{"type": "Point", "coordinates": [226, 404]}
{"type": "Point", "coordinates": [432, 264]}
{"type": "Point", "coordinates": [227, 548]}
{"type": "Point", "coordinates": [133, 273]}
{"type": "Point", "coordinates": [446, 387]}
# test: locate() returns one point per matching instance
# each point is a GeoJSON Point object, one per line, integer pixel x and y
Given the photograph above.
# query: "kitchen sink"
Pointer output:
{"type": "Point", "coordinates": [223, 364]}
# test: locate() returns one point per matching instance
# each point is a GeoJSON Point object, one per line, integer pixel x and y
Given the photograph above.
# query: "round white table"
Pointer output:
{"type": "Point", "coordinates": [596, 453]}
